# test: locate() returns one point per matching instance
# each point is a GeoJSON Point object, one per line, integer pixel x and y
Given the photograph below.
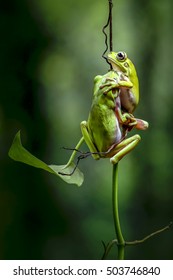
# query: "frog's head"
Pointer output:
{"type": "Point", "coordinates": [120, 62]}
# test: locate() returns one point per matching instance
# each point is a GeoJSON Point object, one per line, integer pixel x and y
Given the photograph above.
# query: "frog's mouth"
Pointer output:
{"type": "Point", "coordinates": [115, 65]}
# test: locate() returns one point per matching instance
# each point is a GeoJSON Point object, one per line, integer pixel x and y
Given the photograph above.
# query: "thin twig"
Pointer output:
{"type": "Point", "coordinates": [108, 247]}
{"type": "Point", "coordinates": [84, 155]}
{"type": "Point", "coordinates": [109, 23]}
{"type": "Point", "coordinates": [110, 26]}
{"type": "Point", "coordinates": [136, 242]}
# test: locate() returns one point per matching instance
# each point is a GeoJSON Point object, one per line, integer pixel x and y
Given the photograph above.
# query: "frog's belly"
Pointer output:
{"type": "Point", "coordinates": [128, 100]}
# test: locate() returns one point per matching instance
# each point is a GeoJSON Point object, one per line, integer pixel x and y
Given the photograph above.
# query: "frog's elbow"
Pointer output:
{"type": "Point", "coordinates": [97, 78]}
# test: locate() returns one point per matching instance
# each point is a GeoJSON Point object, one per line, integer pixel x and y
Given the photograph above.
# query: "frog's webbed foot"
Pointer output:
{"type": "Point", "coordinates": [108, 82]}
{"type": "Point", "coordinates": [125, 118]}
{"type": "Point", "coordinates": [132, 122]}
{"type": "Point", "coordinates": [129, 121]}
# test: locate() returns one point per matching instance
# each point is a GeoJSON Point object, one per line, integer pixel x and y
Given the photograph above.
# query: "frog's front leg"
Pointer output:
{"type": "Point", "coordinates": [108, 84]}
{"type": "Point", "coordinates": [88, 140]}
{"type": "Point", "coordinates": [124, 148]}
{"type": "Point", "coordinates": [111, 83]}
{"type": "Point", "coordinates": [128, 119]}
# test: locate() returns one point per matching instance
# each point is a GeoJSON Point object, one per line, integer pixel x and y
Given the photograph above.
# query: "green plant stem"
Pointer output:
{"type": "Point", "coordinates": [75, 151]}
{"type": "Point", "coordinates": [109, 246]}
{"type": "Point", "coordinates": [120, 239]}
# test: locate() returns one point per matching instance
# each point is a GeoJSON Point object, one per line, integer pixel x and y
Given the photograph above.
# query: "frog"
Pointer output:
{"type": "Point", "coordinates": [111, 114]}
{"type": "Point", "coordinates": [121, 64]}
{"type": "Point", "coordinates": [106, 129]}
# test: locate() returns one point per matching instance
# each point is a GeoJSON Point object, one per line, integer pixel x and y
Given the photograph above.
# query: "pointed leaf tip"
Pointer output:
{"type": "Point", "coordinates": [18, 153]}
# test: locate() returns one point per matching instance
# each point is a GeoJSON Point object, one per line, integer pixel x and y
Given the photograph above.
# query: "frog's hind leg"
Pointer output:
{"type": "Point", "coordinates": [124, 148]}
{"type": "Point", "coordinates": [88, 140]}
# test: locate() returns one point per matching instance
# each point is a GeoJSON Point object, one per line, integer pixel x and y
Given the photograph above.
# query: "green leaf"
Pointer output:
{"type": "Point", "coordinates": [18, 153]}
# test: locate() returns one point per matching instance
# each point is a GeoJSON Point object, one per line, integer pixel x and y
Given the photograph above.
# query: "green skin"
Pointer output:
{"type": "Point", "coordinates": [116, 95]}
{"type": "Point", "coordinates": [122, 64]}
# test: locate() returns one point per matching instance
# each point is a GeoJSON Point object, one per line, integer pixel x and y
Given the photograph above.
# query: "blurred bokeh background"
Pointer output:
{"type": "Point", "coordinates": [50, 51]}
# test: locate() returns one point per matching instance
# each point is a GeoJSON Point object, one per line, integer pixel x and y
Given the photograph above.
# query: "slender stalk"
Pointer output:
{"type": "Point", "coordinates": [75, 151]}
{"type": "Point", "coordinates": [120, 239]}
{"type": "Point", "coordinates": [110, 25]}
{"type": "Point", "coordinates": [136, 242]}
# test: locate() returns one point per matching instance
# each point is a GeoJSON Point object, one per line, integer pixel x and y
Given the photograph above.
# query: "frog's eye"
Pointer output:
{"type": "Point", "coordinates": [121, 56]}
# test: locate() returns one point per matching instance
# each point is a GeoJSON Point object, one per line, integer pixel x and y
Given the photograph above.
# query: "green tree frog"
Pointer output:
{"type": "Point", "coordinates": [123, 65]}
{"type": "Point", "coordinates": [115, 97]}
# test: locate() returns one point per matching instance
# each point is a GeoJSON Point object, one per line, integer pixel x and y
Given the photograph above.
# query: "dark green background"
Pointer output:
{"type": "Point", "coordinates": [50, 52]}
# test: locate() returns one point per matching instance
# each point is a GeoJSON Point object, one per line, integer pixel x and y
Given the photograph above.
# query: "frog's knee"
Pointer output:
{"type": "Point", "coordinates": [114, 160]}
{"type": "Point", "coordinates": [137, 137]}
{"type": "Point", "coordinates": [83, 124]}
